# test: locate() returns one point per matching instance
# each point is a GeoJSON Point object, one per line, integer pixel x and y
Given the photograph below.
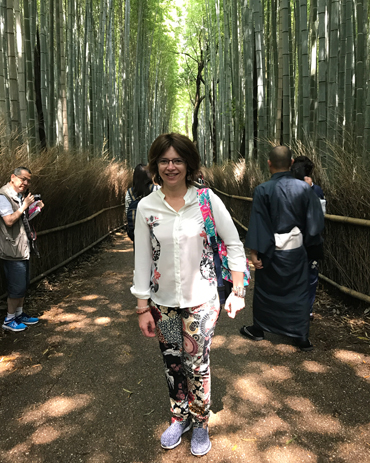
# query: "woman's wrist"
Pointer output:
{"type": "Point", "coordinates": [142, 306]}
{"type": "Point", "coordinates": [141, 311]}
{"type": "Point", "coordinates": [239, 291]}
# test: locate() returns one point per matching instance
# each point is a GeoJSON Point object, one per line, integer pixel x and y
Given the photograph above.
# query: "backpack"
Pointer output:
{"type": "Point", "coordinates": [131, 212]}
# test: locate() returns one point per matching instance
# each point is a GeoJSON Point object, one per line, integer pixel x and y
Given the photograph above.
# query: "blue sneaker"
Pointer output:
{"type": "Point", "coordinates": [13, 325]}
{"type": "Point", "coordinates": [200, 443]}
{"type": "Point", "coordinates": [26, 320]}
{"type": "Point", "coordinates": [172, 435]}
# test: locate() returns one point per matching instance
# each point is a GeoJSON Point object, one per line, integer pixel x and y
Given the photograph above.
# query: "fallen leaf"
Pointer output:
{"type": "Point", "coordinates": [291, 440]}
{"type": "Point", "coordinates": [234, 448]}
{"type": "Point", "coordinates": [129, 392]}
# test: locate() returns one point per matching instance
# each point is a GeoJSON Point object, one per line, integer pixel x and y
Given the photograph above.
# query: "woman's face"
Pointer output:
{"type": "Point", "coordinates": [172, 169]}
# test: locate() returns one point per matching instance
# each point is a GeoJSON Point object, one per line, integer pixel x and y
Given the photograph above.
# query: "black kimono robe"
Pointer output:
{"type": "Point", "coordinates": [280, 302]}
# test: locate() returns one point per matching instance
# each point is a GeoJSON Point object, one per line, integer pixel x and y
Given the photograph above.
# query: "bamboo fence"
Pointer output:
{"type": "Point", "coordinates": [332, 218]}
{"type": "Point", "coordinates": [59, 246]}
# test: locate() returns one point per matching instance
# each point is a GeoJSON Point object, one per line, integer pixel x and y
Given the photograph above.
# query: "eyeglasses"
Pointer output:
{"type": "Point", "coordinates": [24, 180]}
{"type": "Point", "coordinates": [175, 162]}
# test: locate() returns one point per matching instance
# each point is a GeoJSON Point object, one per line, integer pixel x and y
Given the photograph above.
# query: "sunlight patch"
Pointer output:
{"type": "Point", "coordinates": [285, 348]}
{"type": "Point", "coordinates": [17, 452]}
{"type": "Point", "coordinates": [102, 320]}
{"type": "Point", "coordinates": [90, 297]}
{"type": "Point", "coordinates": [290, 454]}
{"type": "Point", "coordinates": [314, 367]}
{"type": "Point", "coordinates": [122, 250]}
{"type": "Point", "coordinates": [250, 389]}
{"type": "Point", "coordinates": [45, 435]}
{"type": "Point", "coordinates": [218, 341]}
{"type": "Point", "coordinates": [348, 356]}
{"type": "Point", "coordinates": [99, 457]}
{"type": "Point", "coordinates": [268, 426]}
{"type": "Point", "coordinates": [7, 362]}
{"type": "Point", "coordinates": [300, 404]}
{"type": "Point", "coordinates": [277, 373]}
{"type": "Point", "coordinates": [87, 309]}
{"type": "Point", "coordinates": [72, 317]}
{"type": "Point", "coordinates": [239, 170]}
{"type": "Point", "coordinates": [56, 407]}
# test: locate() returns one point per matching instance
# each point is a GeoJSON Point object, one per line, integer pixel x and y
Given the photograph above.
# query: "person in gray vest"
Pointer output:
{"type": "Point", "coordinates": [16, 242]}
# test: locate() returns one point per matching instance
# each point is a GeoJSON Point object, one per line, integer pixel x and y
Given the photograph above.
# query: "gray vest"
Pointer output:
{"type": "Point", "coordinates": [14, 244]}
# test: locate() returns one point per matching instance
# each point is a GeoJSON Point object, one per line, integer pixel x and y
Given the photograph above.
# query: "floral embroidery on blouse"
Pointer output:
{"type": "Point", "coordinates": [206, 266]}
{"type": "Point", "coordinates": [152, 222]}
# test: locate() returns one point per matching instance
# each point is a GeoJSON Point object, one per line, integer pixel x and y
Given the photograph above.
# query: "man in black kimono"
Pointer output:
{"type": "Point", "coordinates": [285, 224]}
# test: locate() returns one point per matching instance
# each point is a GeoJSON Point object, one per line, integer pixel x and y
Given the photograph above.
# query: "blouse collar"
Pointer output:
{"type": "Point", "coordinates": [189, 197]}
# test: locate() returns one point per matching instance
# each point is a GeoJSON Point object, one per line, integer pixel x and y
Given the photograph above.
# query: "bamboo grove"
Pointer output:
{"type": "Point", "coordinates": [91, 75]}
{"type": "Point", "coordinates": [280, 71]}
{"type": "Point", "coordinates": [107, 76]}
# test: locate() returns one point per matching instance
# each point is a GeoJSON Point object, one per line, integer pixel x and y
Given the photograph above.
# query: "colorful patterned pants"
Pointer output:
{"type": "Point", "coordinates": [185, 337]}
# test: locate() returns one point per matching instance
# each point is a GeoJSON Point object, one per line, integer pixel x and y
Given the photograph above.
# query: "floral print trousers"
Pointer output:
{"type": "Point", "coordinates": [185, 337]}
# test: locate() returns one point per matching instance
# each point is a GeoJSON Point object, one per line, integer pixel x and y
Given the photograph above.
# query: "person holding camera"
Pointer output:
{"type": "Point", "coordinates": [16, 241]}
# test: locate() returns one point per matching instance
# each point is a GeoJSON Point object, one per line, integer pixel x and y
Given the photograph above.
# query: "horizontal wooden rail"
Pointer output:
{"type": "Point", "coordinates": [332, 218]}
{"type": "Point", "coordinates": [343, 219]}
{"type": "Point", "coordinates": [346, 290]}
{"type": "Point", "coordinates": [65, 262]}
{"type": "Point", "coordinates": [239, 223]}
{"type": "Point", "coordinates": [73, 224]}
{"type": "Point", "coordinates": [243, 198]}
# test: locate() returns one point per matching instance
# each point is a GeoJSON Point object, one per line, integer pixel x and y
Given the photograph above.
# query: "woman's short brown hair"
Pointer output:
{"type": "Point", "coordinates": [183, 146]}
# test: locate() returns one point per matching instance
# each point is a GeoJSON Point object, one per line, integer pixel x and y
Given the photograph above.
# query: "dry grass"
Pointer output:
{"type": "Point", "coordinates": [71, 186]}
{"type": "Point", "coordinates": [346, 184]}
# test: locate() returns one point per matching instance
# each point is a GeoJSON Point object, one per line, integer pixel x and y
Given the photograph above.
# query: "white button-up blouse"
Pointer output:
{"type": "Point", "coordinates": [173, 260]}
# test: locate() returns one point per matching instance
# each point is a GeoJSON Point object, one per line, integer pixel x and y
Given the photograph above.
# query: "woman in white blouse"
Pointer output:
{"type": "Point", "coordinates": [175, 283]}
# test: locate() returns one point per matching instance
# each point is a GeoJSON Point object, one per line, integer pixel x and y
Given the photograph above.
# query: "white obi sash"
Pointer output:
{"type": "Point", "coordinates": [291, 240]}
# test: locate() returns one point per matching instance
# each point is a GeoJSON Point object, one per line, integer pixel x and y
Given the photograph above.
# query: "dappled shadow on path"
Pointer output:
{"type": "Point", "coordinates": [85, 386]}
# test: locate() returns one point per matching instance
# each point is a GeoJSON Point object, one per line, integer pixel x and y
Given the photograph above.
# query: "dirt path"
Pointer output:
{"type": "Point", "coordinates": [85, 386]}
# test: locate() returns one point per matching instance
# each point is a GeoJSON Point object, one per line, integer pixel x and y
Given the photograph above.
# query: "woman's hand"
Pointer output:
{"type": "Point", "coordinates": [147, 325]}
{"type": "Point", "coordinates": [233, 304]}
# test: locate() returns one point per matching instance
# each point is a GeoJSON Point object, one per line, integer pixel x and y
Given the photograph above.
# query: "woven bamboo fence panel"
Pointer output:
{"type": "Point", "coordinates": [60, 244]}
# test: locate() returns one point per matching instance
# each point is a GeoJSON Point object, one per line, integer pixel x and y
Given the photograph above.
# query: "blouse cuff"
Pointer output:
{"type": "Point", "coordinates": [140, 294]}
